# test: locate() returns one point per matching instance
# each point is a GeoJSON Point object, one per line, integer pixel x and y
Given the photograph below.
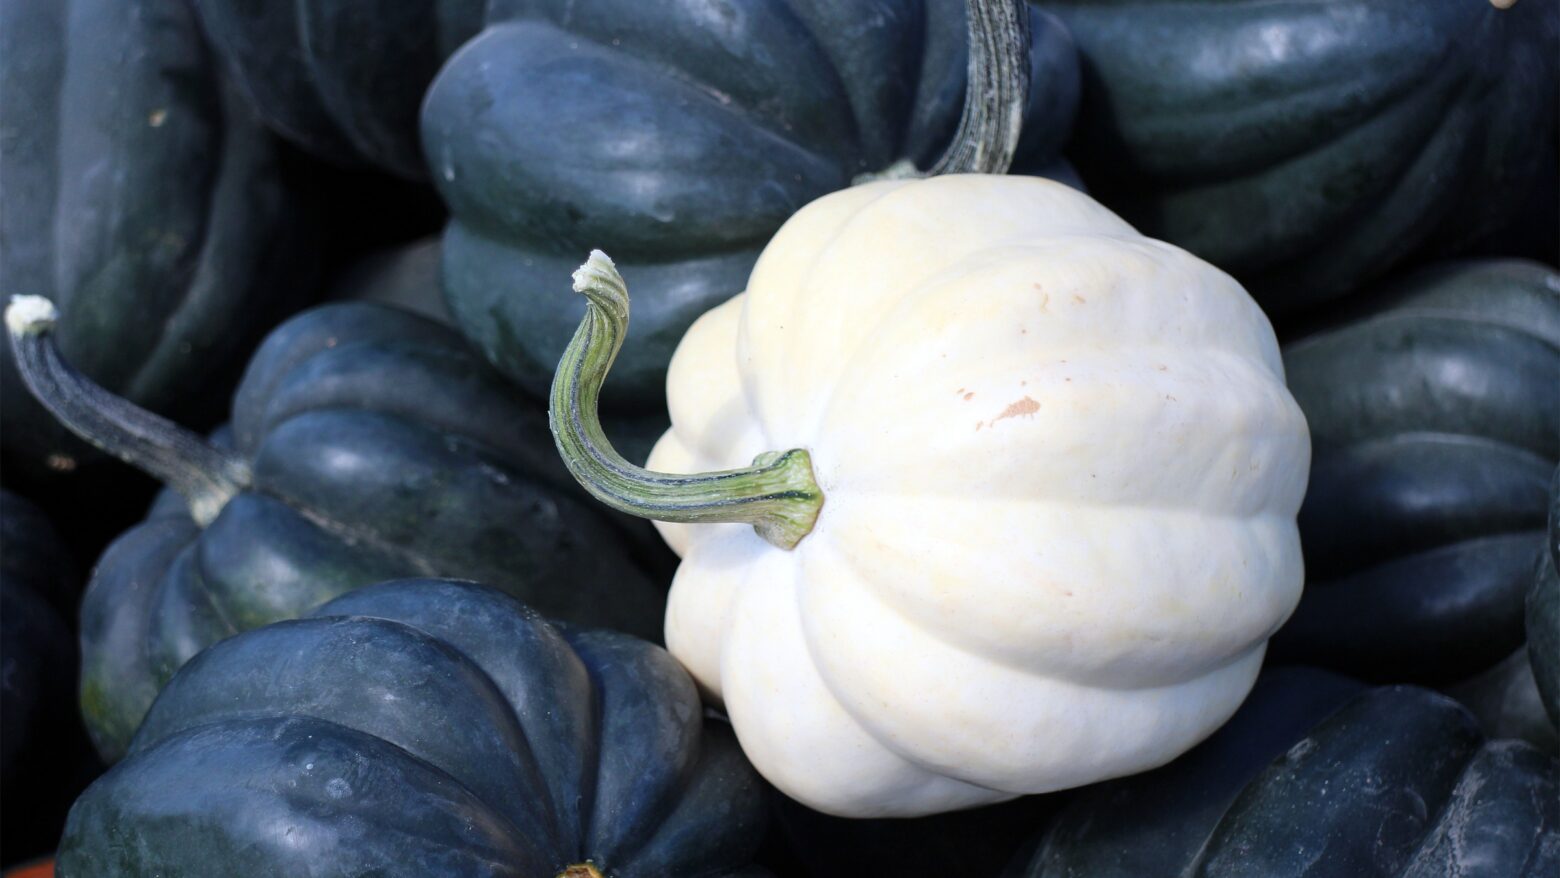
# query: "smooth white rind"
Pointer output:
{"type": "Point", "coordinates": [1060, 471]}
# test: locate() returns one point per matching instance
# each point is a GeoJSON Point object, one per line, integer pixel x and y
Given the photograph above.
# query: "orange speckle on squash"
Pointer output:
{"type": "Point", "coordinates": [1025, 407]}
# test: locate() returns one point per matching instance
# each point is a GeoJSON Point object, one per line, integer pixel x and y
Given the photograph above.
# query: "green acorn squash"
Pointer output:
{"type": "Point", "coordinates": [421, 728]}
{"type": "Point", "coordinates": [144, 199]}
{"type": "Point", "coordinates": [1309, 146]}
{"type": "Point", "coordinates": [679, 140]}
{"type": "Point", "coordinates": [1435, 429]}
{"type": "Point", "coordinates": [1315, 777]}
{"type": "Point", "coordinates": [367, 443]}
{"type": "Point", "coordinates": [343, 79]}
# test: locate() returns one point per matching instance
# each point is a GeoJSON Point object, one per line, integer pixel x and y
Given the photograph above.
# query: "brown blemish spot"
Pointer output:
{"type": "Point", "coordinates": [1066, 592]}
{"type": "Point", "coordinates": [969, 396]}
{"type": "Point", "coordinates": [1162, 368]}
{"type": "Point", "coordinates": [959, 392]}
{"type": "Point", "coordinates": [1025, 407]}
{"type": "Point", "coordinates": [60, 463]}
{"type": "Point", "coordinates": [1079, 299]}
{"type": "Point", "coordinates": [978, 425]}
{"type": "Point", "coordinates": [1023, 384]}
{"type": "Point", "coordinates": [1171, 398]}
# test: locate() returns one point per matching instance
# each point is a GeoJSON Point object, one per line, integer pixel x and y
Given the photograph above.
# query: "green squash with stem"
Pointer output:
{"type": "Point", "coordinates": [367, 443]}
{"type": "Point", "coordinates": [679, 141]}
{"type": "Point", "coordinates": [148, 202]}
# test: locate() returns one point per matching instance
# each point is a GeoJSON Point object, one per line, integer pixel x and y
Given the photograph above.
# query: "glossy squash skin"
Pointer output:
{"type": "Point", "coordinates": [42, 746]}
{"type": "Point", "coordinates": [343, 79]}
{"type": "Point", "coordinates": [146, 201]}
{"type": "Point", "coordinates": [1436, 430]}
{"type": "Point", "coordinates": [381, 447]}
{"type": "Point", "coordinates": [407, 277]}
{"type": "Point", "coordinates": [418, 728]}
{"type": "Point", "coordinates": [1308, 147]}
{"type": "Point", "coordinates": [1318, 776]}
{"type": "Point", "coordinates": [679, 141]}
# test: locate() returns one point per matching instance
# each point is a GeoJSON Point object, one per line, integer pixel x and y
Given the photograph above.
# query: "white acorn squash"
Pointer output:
{"type": "Point", "coordinates": [1059, 472]}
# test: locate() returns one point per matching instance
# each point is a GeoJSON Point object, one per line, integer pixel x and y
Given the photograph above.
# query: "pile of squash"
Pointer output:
{"type": "Point", "coordinates": [593, 439]}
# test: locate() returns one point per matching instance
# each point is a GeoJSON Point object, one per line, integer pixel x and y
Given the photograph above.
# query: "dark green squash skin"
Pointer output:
{"type": "Point", "coordinates": [1543, 612]}
{"type": "Point", "coordinates": [146, 201]}
{"type": "Point", "coordinates": [343, 79]}
{"type": "Point", "coordinates": [678, 142]}
{"type": "Point", "coordinates": [1316, 776]}
{"type": "Point", "coordinates": [1435, 430]}
{"type": "Point", "coordinates": [382, 447]}
{"type": "Point", "coordinates": [418, 728]}
{"type": "Point", "coordinates": [407, 277]}
{"type": "Point", "coordinates": [1307, 147]}
{"type": "Point", "coordinates": [44, 756]}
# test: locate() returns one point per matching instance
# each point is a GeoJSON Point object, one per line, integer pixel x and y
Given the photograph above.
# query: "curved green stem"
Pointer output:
{"type": "Point", "coordinates": [777, 494]}
{"type": "Point", "coordinates": [996, 92]}
{"type": "Point", "coordinates": [207, 476]}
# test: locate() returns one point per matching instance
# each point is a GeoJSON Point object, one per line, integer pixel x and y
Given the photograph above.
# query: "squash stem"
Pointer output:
{"type": "Point", "coordinates": [996, 93]}
{"type": "Point", "coordinates": [207, 476]}
{"type": "Point", "coordinates": [777, 494]}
